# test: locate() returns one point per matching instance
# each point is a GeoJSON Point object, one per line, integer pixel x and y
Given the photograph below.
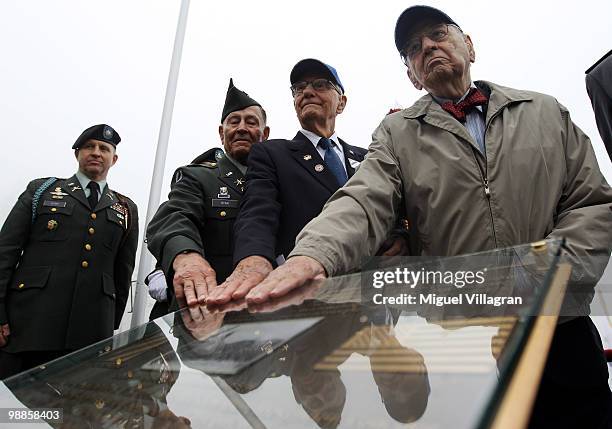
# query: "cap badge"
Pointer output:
{"type": "Point", "coordinates": [107, 133]}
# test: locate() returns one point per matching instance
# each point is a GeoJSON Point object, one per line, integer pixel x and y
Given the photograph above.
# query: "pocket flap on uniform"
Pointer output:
{"type": "Point", "coordinates": [31, 277]}
{"type": "Point", "coordinates": [108, 285]}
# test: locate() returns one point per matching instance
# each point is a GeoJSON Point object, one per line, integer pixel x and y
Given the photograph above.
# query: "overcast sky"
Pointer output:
{"type": "Point", "coordinates": [71, 64]}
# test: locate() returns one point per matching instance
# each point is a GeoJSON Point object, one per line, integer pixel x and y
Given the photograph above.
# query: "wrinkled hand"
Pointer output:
{"type": "Point", "coordinates": [249, 272]}
{"type": "Point", "coordinates": [394, 246]}
{"type": "Point", "coordinates": [193, 278]}
{"type": "Point", "coordinates": [293, 297]}
{"type": "Point", "coordinates": [291, 275]}
{"type": "Point", "coordinates": [4, 334]}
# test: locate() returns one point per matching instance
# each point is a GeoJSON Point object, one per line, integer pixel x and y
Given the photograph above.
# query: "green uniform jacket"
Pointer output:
{"type": "Point", "coordinates": [65, 279]}
{"type": "Point", "coordinates": [199, 215]}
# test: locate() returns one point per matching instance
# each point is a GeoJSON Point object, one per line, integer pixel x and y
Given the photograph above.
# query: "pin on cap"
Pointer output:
{"type": "Point", "coordinates": [101, 132]}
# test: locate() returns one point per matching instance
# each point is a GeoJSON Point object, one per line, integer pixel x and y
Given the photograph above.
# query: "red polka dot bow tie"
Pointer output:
{"type": "Point", "coordinates": [474, 98]}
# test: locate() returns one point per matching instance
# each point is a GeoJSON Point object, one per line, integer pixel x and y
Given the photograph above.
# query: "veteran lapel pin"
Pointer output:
{"type": "Point", "coordinates": [319, 168]}
{"type": "Point", "coordinates": [307, 157]}
{"type": "Point", "coordinates": [223, 192]}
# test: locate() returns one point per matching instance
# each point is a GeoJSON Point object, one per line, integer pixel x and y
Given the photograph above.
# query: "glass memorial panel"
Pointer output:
{"type": "Point", "coordinates": [329, 354]}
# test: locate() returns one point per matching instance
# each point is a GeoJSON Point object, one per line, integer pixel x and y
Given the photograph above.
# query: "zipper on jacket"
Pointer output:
{"type": "Point", "coordinates": [484, 175]}
{"type": "Point", "coordinates": [487, 192]}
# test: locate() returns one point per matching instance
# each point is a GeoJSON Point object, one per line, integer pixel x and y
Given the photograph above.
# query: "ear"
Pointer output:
{"type": "Point", "coordinates": [115, 158]}
{"type": "Point", "coordinates": [266, 134]}
{"type": "Point", "coordinates": [76, 153]}
{"type": "Point", "coordinates": [341, 104]}
{"type": "Point", "coordinates": [413, 79]}
{"type": "Point", "coordinates": [470, 45]}
{"type": "Point", "coordinates": [221, 134]}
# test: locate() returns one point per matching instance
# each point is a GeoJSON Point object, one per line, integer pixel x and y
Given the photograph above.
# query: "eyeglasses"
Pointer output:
{"type": "Point", "coordinates": [413, 46]}
{"type": "Point", "coordinates": [318, 85]}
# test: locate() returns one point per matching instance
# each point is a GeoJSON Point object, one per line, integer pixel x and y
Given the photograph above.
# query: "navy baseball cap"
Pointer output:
{"type": "Point", "coordinates": [101, 132]}
{"type": "Point", "coordinates": [412, 16]}
{"type": "Point", "coordinates": [312, 66]}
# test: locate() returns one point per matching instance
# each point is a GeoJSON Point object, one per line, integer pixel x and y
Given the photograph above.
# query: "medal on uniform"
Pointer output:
{"type": "Point", "coordinates": [223, 192]}
{"type": "Point", "coordinates": [319, 168]}
{"type": "Point", "coordinates": [52, 224]}
{"type": "Point", "coordinates": [58, 193]}
{"type": "Point", "coordinates": [122, 213]}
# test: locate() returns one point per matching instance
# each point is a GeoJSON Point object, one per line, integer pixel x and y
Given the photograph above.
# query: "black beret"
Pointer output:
{"type": "Point", "coordinates": [101, 132]}
{"type": "Point", "coordinates": [235, 100]}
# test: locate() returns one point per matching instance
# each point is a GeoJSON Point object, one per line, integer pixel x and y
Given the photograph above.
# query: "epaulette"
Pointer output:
{"type": "Point", "coordinates": [208, 164]}
{"type": "Point", "coordinates": [120, 196]}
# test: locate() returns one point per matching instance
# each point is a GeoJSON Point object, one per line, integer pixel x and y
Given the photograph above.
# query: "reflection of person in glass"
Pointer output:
{"type": "Point", "coordinates": [312, 359]}
{"type": "Point", "coordinates": [125, 387]}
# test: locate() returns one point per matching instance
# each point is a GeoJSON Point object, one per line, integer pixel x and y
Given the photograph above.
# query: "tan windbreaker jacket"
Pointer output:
{"type": "Point", "coordinates": [539, 179]}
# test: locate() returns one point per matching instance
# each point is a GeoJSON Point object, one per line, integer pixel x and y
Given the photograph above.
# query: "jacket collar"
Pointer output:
{"type": "Point", "coordinates": [431, 112]}
{"type": "Point", "coordinates": [230, 174]}
{"type": "Point", "coordinates": [73, 188]}
{"type": "Point", "coordinates": [499, 97]}
{"type": "Point", "coordinates": [308, 157]}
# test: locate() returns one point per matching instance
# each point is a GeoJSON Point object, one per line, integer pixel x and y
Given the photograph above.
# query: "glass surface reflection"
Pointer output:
{"type": "Point", "coordinates": [323, 356]}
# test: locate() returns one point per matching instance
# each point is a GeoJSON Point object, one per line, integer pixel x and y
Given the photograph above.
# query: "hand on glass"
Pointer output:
{"type": "Point", "coordinates": [249, 272]}
{"type": "Point", "coordinates": [291, 275]}
{"type": "Point", "coordinates": [193, 278]}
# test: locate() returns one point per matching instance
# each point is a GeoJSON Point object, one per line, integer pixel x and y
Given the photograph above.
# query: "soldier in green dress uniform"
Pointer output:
{"type": "Point", "coordinates": [67, 253]}
{"type": "Point", "coordinates": [191, 235]}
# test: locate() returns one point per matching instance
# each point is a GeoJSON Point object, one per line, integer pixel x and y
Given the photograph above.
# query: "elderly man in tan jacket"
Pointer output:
{"type": "Point", "coordinates": [476, 166]}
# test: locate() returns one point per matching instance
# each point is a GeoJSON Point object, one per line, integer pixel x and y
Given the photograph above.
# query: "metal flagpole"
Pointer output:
{"type": "Point", "coordinates": [146, 260]}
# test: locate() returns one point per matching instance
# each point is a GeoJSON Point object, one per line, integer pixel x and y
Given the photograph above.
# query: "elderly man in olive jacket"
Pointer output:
{"type": "Point", "coordinates": [476, 166]}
